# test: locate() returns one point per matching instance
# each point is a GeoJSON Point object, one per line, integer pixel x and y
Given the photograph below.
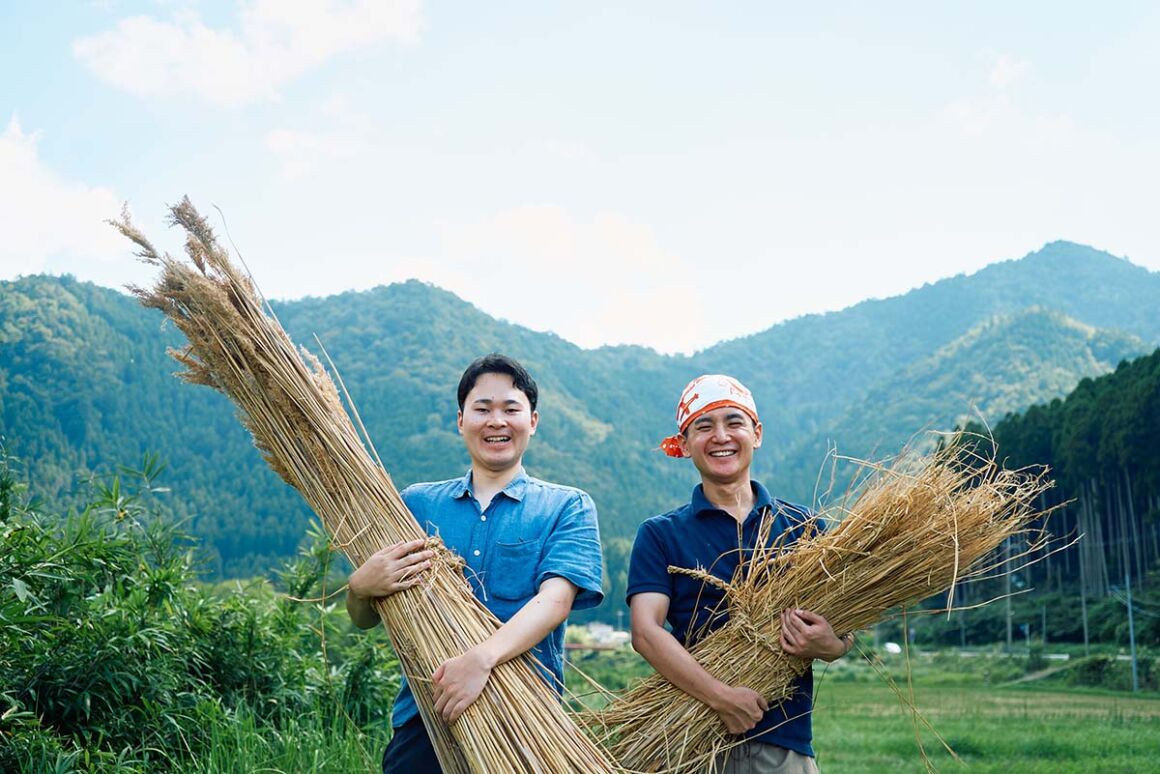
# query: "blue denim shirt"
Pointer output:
{"type": "Point", "coordinates": [699, 534]}
{"type": "Point", "coordinates": [531, 530]}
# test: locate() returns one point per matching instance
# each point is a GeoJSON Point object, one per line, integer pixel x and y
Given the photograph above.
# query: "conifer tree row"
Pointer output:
{"type": "Point", "coordinates": [1101, 443]}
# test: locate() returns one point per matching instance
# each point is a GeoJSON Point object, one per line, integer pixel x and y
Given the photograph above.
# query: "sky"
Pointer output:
{"type": "Point", "coordinates": [669, 174]}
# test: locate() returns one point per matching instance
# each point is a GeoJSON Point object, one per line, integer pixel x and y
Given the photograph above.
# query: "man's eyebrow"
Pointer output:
{"type": "Point", "coordinates": [708, 420]}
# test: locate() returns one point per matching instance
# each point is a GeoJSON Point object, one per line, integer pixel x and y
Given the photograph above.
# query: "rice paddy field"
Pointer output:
{"type": "Point", "coordinates": [860, 726]}
{"type": "Point", "coordinates": [992, 723]}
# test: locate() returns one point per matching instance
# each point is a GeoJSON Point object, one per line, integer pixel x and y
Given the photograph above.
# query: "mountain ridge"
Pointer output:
{"type": "Point", "coordinates": [96, 389]}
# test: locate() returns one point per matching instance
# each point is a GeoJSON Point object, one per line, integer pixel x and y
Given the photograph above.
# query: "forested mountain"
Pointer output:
{"type": "Point", "coordinates": [996, 368]}
{"type": "Point", "coordinates": [85, 385]}
{"type": "Point", "coordinates": [810, 368]}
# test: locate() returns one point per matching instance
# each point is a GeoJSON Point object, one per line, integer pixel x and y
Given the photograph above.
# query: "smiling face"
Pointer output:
{"type": "Point", "coordinates": [721, 443]}
{"type": "Point", "coordinates": [496, 423]}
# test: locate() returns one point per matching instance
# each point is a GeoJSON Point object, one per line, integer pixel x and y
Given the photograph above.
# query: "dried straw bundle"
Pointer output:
{"type": "Point", "coordinates": [915, 531]}
{"type": "Point", "coordinates": [293, 410]}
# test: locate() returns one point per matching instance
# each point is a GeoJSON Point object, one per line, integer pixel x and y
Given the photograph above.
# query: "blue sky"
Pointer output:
{"type": "Point", "coordinates": [669, 174]}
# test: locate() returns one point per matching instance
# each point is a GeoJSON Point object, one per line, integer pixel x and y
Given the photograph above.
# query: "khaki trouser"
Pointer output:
{"type": "Point", "coordinates": [759, 758]}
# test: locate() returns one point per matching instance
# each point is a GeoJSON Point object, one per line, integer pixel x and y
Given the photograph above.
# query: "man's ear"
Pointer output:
{"type": "Point", "coordinates": [683, 442]}
{"type": "Point", "coordinates": [535, 421]}
{"type": "Point", "coordinates": [757, 435]}
{"type": "Point", "coordinates": [459, 421]}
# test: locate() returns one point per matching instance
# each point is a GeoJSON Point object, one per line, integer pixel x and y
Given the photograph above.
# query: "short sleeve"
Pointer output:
{"type": "Point", "coordinates": [411, 499]}
{"type": "Point", "coordinates": [648, 566]}
{"type": "Point", "coordinates": [821, 523]}
{"type": "Point", "coordinates": [799, 522]}
{"type": "Point", "coordinates": [572, 552]}
{"type": "Point", "coordinates": [417, 498]}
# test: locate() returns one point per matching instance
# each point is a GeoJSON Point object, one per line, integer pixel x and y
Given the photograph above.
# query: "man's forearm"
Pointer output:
{"type": "Point", "coordinates": [677, 665]}
{"type": "Point", "coordinates": [532, 623]}
{"type": "Point", "coordinates": [847, 644]}
{"type": "Point", "coordinates": [459, 681]}
{"type": "Point", "coordinates": [361, 610]}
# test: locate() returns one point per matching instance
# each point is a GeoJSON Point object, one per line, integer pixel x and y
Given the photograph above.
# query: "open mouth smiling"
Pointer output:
{"type": "Point", "coordinates": [497, 438]}
{"type": "Point", "coordinates": [723, 453]}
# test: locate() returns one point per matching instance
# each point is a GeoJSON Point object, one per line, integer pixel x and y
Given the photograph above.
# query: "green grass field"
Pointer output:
{"type": "Point", "coordinates": [861, 726]}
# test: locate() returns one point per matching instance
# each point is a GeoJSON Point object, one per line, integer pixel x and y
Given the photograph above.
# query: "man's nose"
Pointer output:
{"type": "Point", "coordinates": [719, 433]}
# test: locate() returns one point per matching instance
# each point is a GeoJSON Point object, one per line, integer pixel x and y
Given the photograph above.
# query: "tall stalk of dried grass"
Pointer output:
{"type": "Point", "coordinates": [916, 529]}
{"type": "Point", "coordinates": [292, 408]}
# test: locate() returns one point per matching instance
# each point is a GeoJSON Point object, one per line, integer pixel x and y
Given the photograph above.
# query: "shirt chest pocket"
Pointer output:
{"type": "Point", "coordinates": [512, 574]}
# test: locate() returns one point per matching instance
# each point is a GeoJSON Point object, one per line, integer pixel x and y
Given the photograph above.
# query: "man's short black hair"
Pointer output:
{"type": "Point", "coordinates": [496, 363]}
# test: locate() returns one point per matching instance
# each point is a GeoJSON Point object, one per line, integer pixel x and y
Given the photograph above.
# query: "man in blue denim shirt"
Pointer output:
{"type": "Point", "coordinates": [532, 550]}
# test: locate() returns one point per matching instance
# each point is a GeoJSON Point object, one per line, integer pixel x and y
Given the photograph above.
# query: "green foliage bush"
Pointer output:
{"type": "Point", "coordinates": [1092, 671]}
{"type": "Point", "coordinates": [997, 671]}
{"type": "Point", "coordinates": [114, 657]}
{"type": "Point", "coordinates": [1036, 661]}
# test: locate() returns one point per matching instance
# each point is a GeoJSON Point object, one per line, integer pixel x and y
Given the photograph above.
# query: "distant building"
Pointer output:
{"type": "Point", "coordinates": [596, 636]}
{"type": "Point", "coordinates": [604, 634]}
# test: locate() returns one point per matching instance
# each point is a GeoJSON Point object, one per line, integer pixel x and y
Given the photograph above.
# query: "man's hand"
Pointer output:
{"type": "Point", "coordinates": [739, 708]}
{"type": "Point", "coordinates": [386, 572]}
{"type": "Point", "coordinates": [391, 570]}
{"type": "Point", "coordinates": [459, 681]}
{"type": "Point", "coordinates": [809, 635]}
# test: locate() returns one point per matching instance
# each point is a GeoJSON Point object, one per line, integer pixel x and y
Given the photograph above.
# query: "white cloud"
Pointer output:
{"type": "Point", "coordinates": [301, 152]}
{"type": "Point", "coordinates": [597, 281]}
{"type": "Point", "coordinates": [277, 41]}
{"type": "Point", "coordinates": [995, 112]}
{"type": "Point", "coordinates": [569, 150]}
{"type": "Point", "coordinates": [1007, 71]}
{"type": "Point", "coordinates": [43, 216]}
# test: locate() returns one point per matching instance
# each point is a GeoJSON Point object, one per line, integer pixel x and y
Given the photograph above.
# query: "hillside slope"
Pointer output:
{"type": "Point", "coordinates": [85, 385]}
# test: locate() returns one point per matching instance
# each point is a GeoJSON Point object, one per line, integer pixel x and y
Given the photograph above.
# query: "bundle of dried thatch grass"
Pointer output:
{"type": "Point", "coordinates": [915, 530]}
{"type": "Point", "coordinates": [293, 410]}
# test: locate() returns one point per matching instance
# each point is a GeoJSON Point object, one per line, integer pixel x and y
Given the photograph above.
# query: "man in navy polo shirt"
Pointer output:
{"type": "Point", "coordinates": [532, 550]}
{"type": "Point", "coordinates": [718, 428]}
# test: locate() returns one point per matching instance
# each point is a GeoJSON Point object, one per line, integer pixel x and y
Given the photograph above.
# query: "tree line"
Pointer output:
{"type": "Point", "coordinates": [1100, 445]}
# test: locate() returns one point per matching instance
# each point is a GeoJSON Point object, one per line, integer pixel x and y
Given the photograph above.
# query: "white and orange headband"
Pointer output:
{"type": "Point", "coordinates": [702, 395]}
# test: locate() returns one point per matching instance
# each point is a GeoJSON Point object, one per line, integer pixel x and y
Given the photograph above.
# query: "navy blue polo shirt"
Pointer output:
{"type": "Point", "coordinates": [700, 535]}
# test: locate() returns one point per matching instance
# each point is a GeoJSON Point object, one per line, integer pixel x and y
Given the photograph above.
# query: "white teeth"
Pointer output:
{"type": "Point", "coordinates": [722, 453]}
{"type": "Point", "coordinates": [495, 438]}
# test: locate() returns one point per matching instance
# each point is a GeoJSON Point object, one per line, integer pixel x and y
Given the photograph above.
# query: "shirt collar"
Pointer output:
{"type": "Point", "coordinates": [701, 504]}
{"type": "Point", "coordinates": [462, 487]}
{"type": "Point", "coordinates": [514, 489]}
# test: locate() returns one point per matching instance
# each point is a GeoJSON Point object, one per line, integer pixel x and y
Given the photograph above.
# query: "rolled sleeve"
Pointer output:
{"type": "Point", "coordinates": [572, 552]}
{"type": "Point", "coordinates": [417, 501]}
{"type": "Point", "coordinates": [797, 520]}
{"type": "Point", "coordinates": [648, 566]}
